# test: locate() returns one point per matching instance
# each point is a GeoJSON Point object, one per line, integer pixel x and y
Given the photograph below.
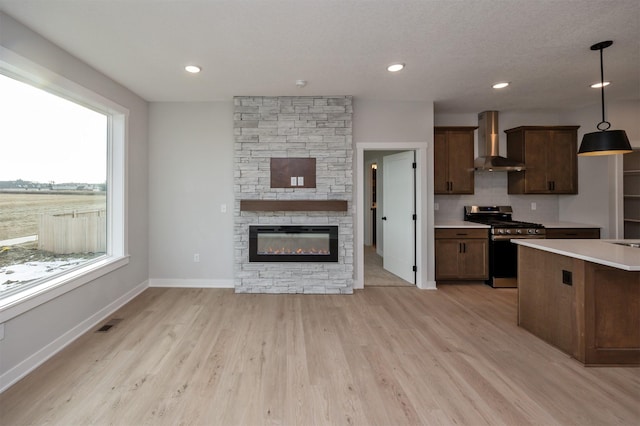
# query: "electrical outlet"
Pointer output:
{"type": "Point", "coordinates": [196, 257]}
{"type": "Point", "coordinates": [436, 206]}
{"type": "Point", "coordinates": [300, 180]}
{"type": "Point", "coordinates": [223, 208]}
{"type": "Point", "coordinates": [567, 277]}
{"type": "Point", "coordinates": [534, 206]}
{"type": "Point", "coordinates": [294, 181]}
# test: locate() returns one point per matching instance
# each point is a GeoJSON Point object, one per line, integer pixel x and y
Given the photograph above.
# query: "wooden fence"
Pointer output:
{"type": "Point", "coordinates": [73, 232]}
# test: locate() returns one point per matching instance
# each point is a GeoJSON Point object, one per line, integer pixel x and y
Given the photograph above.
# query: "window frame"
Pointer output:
{"type": "Point", "coordinates": [19, 68]}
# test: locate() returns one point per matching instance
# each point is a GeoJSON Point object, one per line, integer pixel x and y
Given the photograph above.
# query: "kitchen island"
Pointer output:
{"type": "Point", "coordinates": [582, 296]}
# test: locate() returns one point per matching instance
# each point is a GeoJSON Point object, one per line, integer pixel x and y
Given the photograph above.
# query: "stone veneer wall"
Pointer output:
{"type": "Point", "coordinates": [317, 127]}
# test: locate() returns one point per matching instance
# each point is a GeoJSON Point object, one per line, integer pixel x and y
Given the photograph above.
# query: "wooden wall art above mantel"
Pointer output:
{"type": "Point", "coordinates": [293, 173]}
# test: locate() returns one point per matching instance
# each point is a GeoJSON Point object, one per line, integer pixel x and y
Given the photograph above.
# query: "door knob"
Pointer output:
{"type": "Point", "coordinates": [384, 218]}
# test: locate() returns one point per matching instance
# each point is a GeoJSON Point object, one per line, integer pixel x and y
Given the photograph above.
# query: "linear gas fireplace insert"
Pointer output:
{"type": "Point", "coordinates": [290, 243]}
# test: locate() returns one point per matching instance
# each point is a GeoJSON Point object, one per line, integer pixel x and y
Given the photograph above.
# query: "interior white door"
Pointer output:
{"type": "Point", "coordinates": [397, 218]}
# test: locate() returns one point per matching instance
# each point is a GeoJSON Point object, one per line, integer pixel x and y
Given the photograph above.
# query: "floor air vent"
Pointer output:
{"type": "Point", "coordinates": [112, 322]}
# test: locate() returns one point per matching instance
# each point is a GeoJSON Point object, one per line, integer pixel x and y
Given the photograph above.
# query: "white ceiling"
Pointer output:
{"type": "Point", "coordinates": [454, 49]}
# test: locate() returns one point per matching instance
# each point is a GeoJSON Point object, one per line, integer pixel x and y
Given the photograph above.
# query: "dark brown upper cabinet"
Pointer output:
{"type": "Point", "coordinates": [549, 155]}
{"type": "Point", "coordinates": [453, 159]}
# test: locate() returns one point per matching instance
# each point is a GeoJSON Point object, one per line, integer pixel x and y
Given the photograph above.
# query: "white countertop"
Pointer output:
{"type": "Point", "coordinates": [459, 223]}
{"type": "Point", "coordinates": [603, 252]}
{"type": "Point", "coordinates": [568, 225]}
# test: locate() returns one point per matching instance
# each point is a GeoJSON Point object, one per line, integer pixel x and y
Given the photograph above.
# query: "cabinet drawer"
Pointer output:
{"type": "Point", "coordinates": [568, 233]}
{"type": "Point", "coordinates": [461, 233]}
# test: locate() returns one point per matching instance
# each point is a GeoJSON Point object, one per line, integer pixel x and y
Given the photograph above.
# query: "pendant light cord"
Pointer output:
{"type": "Point", "coordinates": [601, 125]}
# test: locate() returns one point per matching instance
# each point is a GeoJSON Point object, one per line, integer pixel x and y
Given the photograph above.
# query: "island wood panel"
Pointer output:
{"type": "Point", "coordinates": [596, 319]}
{"type": "Point", "coordinates": [545, 305]}
{"type": "Point", "coordinates": [612, 315]}
{"type": "Point", "coordinates": [294, 205]}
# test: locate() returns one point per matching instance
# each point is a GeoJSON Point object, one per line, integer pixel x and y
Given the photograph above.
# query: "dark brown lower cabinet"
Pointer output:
{"type": "Point", "coordinates": [571, 233]}
{"type": "Point", "coordinates": [462, 254]}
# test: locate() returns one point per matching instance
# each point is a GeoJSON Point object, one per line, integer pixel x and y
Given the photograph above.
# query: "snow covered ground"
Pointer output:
{"type": "Point", "coordinates": [16, 275]}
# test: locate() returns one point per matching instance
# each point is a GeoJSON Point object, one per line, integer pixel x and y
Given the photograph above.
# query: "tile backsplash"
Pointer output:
{"type": "Point", "coordinates": [491, 190]}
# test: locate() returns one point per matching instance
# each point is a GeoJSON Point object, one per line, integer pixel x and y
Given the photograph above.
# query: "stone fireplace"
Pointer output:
{"type": "Point", "coordinates": [314, 128]}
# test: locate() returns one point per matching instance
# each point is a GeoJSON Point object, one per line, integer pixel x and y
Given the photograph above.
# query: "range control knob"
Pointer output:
{"type": "Point", "coordinates": [518, 231]}
{"type": "Point", "coordinates": [508, 231]}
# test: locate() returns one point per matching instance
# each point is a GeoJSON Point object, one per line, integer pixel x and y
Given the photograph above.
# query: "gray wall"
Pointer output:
{"type": "Point", "coordinates": [29, 336]}
{"type": "Point", "coordinates": [191, 175]}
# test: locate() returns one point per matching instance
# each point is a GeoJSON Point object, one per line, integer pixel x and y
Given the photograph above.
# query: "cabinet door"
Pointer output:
{"type": "Point", "coordinates": [536, 142]}
{"type": "Point", "coordinates": [475, 259]}
{"type": "Point", "coordinates": [460, 146]}
{"type": "Point", "coordinates": [562, 162]}
{"type": "Point", "coordinates": [440, 164]}
{"type": "Point", "coordinates": [447, 259]}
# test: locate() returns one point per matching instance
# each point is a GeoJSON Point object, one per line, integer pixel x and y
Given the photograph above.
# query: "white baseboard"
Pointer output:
{"type": "Point", "coordinates": [429, 285]}
{"type": "Point", "coordinates": [190, 283]}
{"type": "Point", "coordinates": [35, 360]}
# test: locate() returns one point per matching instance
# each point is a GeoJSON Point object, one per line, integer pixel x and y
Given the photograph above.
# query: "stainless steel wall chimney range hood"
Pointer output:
{"type": "Point", "coordinates": [488, 146]}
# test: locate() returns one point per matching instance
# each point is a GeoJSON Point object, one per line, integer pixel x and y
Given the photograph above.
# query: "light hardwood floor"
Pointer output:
{"type": "Point", "coordinates": [383, 356]}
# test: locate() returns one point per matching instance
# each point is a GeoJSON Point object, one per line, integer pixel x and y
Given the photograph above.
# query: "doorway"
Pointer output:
{"type": "Point", "coordinates": [390, 208]}
{"type": "Point", "coordinates": [425, 261]}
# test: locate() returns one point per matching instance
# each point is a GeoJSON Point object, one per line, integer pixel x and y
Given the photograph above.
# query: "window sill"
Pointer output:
{"type": "Point", "coordinates": [24, 301]}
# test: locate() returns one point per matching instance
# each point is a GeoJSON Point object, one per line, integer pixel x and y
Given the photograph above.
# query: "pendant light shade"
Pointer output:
{"type": "Point", "coordinates": [604, 141]}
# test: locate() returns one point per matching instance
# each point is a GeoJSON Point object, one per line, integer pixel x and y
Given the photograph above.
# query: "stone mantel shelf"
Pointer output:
{"type": "Point", "coordinates": [294, 205]}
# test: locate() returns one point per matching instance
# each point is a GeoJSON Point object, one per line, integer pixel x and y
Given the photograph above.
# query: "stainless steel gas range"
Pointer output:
{"type": "Point", "coordinates": [503, 255]}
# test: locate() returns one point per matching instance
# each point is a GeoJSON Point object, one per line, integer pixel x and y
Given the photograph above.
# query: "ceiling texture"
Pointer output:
{"type": "Point", "coordinates": [454, 50]}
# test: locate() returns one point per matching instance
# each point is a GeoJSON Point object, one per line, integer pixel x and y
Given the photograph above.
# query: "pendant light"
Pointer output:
{"type": "Point", "coordinates": [605, 141]}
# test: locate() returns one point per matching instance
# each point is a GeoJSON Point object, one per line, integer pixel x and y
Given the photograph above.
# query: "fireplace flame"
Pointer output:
{"type": "Point", "coordinates": [289, 251]}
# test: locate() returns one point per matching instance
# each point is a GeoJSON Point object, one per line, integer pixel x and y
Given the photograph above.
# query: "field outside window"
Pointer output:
{"type": "Point", "coordinates": [53, 185]}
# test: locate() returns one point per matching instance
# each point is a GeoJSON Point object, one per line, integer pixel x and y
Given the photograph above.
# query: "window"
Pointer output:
{"type": "Point", "coordinates": [61, 186]}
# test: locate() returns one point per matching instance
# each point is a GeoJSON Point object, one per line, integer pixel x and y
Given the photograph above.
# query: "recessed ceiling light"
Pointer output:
{"type": "Point", "coordinates": [193, 69]}
{"type": "Point", "coordinates": [395, 67]}
{"type": "Point", "coordinates": [501, 85]}
{"type": "Point", "coordinates": [599, 85]}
